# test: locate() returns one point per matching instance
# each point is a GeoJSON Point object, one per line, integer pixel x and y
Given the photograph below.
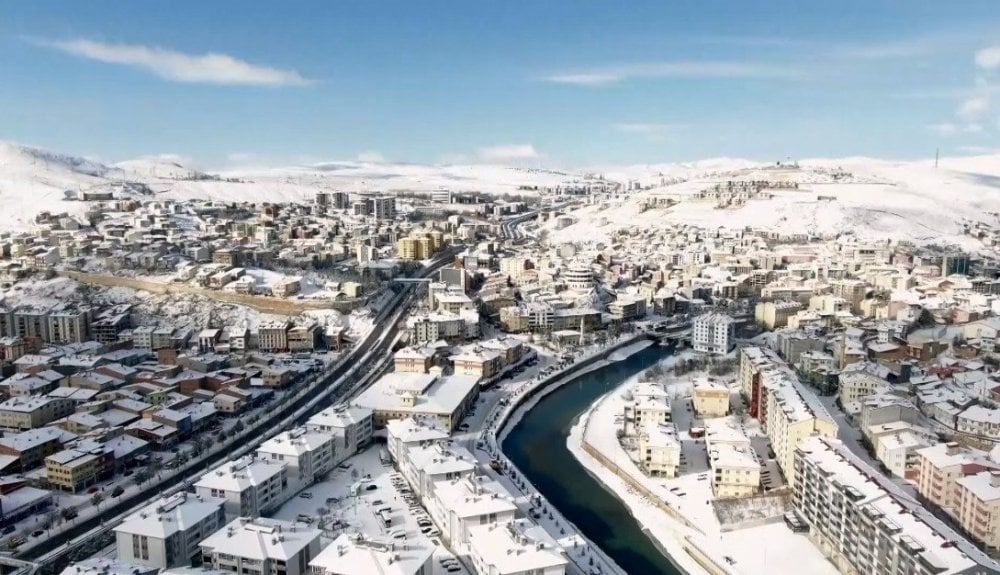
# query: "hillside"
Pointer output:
{"type": "Point", "coordinates": [870, 197]}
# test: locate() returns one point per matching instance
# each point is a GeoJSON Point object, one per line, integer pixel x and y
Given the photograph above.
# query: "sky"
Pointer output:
{"type": "Point", "coordinates": [562, 84]}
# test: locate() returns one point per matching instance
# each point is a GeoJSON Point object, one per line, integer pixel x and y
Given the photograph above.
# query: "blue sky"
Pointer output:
{"type": "Point", "coordinates": [568, 83]}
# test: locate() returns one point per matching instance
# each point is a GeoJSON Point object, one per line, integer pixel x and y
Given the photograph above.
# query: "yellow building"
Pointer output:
{"type": "Point", "coordinates": [710, 399]}
{"type": "Point", "coordinates": [72, 470]}
{"type": "Point", "coordinates": [979, 506]}
{"type": "Point", "coordinates": [406, 248]}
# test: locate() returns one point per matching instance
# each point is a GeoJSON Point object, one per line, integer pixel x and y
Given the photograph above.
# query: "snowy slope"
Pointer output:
{"type": "Point", "coordinates": [877, 198]}
{"type": "Point", "coordinates": [873, 198]}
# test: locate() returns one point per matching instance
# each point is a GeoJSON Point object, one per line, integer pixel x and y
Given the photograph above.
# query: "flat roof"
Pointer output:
{"type": "Point", "coordinates": [517, 547]}
{"type": "Point", "coordinates": [355, 555]}
{"type": "Point", "coordinates": [262, 538]}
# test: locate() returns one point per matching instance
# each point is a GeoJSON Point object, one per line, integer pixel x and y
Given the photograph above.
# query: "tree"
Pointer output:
{"type": "Point", "coordinates": [96, 500]}
{"type": "Point", "coordinates": [118, 491]}
{"type": "Point", "coordinates": [68, 513]}
{"type": "Point", "coordinates": [238, 428]}
{"type": "Point", "coordinates": [141, 477]}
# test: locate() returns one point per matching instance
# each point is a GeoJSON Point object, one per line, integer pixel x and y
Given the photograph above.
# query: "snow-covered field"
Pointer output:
{"type": "Point", "coordinates": [899, 200]}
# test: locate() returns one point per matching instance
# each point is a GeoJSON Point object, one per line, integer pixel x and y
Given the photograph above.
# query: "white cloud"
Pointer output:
{"type": "Point", "coordinates": [974, 107]}
{"type": "Point", "coordinates": [509, 153]}
{"type": "Point", "coordinates": [672, 69]}
{"type": "Point", "coordinates": [988, 58]}
{"type": "Point", "coordinates": [949, 129]}
{"type": "Point", "coordinates": [654, 132]}
{"type": "Point", "coordinates": [210, 68]}
{"type": "Point", "coordinates": [979, 150]}
{"type": "Point", "coordinates": [371, 156]}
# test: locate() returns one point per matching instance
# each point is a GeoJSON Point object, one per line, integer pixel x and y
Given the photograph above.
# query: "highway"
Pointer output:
{"type": "Point", "coordinates": [340, 380]}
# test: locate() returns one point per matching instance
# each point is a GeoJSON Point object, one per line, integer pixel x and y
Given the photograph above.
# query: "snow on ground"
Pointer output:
{"type": "Point", "coordinates": [899, 200]}
{"type": "Point", "coordinates": [330, 506]}
{"type": "Point", "coordinates": [689, 495]}
{"type": "Point", "coordinates": [176, 310]}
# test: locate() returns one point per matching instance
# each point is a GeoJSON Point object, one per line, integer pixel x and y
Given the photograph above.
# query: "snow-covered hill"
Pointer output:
{"type": "Point", "coordinates": [905, 200]}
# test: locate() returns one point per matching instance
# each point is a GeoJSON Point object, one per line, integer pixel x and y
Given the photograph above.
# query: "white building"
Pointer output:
{"type": "Point", "coordinates": [166, 532]}
{"type": "Point", "coordinates": [251, 487]}
{"type": "Point", "coordinates": [308, 453]}
{"type": "Point", "coordinates": [432, 395]}
{"type": "Point", "coordinates": [262, 547]}
{"type": "Point", "coordinates": [460, 504]}
{"type": "Point", "coordinates": [713, 333]}
{"type": "Point", "coordinates": [515, 548]}
{"type": "Point", "coordinates": [424, 466]}
{"type": "Point", "coordinates": [401, 433]}
{"type": "Point", "coordinates": [356, 555]}
{"type": "Point", "coordinates": [862, 527]}
{"type": "Point", "coordinates": [350, 424]}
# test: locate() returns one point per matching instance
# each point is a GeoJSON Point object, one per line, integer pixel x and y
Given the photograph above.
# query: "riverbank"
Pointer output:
{"type": "Point", "coordinates": [584, 555]}
{"type": "Point", "coordinates": [679, 513]}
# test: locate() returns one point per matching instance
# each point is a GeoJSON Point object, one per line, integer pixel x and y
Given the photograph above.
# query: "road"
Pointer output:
{"type": "Point", "coordinates": [341, 379]}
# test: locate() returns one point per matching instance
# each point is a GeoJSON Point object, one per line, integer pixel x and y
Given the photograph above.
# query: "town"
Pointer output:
{"type": "Point", "coordinates": [222, 380]}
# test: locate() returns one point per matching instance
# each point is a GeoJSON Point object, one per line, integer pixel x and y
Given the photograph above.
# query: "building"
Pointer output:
{"type": "Point", "coordinates": [864, 524]}
{"type": "Point", "coordinates": [273, 336]}
{"type": "Point", "coordinates": [734, 466]}
{"type": "Point", "coordinates": [515, 548]}
{"type": "Point", "coordinates": [32, 411]}
{"type": "Point", "coordinates": [628, 307]}
{"type": "Point", "coordinates": [358, 555]}
{"type": "Point", "coordinates": [659, 449]}
{"type": "Point", "coordinates": [352, 426]}
{"type": "Point", "coordinates": [713, 333]}
{"type": "Point", "coordinates": [251, 487]}
{"type": "Point", "coordinates": [402, 433]}
{"type": "Point", "coordinates": [940, 466]}
{"type": "Point", "coordinates": [413, 359]}
{"type": "Point", "coordinates": [308, 453]}
{"type": "Point", "coordinates": [710, 399]}
{"type": "Point", "coordinates": [483, 364]}
{"type": "Point", "coordinates": [261, 546]}
{"type": "Point", "coordinates": [432, 395]}
{"type": "Point", "coordinates": [856, 385]}
{"type": "Point", "coordinates": [166, 532]}
{"type": "Point", "coordinates": [460, 504]}
{"type": "Point", "coordinates": [74, 470]}
{"type": "Point", "coordinates": [774, 314]}
{"type": "Point", "coordinates": [979, 507]}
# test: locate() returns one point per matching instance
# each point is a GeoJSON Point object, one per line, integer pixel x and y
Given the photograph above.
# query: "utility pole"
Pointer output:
{"type": "Point", "coordinates": [937, 156]}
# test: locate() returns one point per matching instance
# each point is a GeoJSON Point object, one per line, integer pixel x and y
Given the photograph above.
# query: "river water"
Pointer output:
{"type": "Point", "coordinates": [537, 445]}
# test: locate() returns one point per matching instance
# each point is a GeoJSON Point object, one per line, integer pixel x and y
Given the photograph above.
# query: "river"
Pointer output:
{"type": "Point", "coordinates": [537, 446]}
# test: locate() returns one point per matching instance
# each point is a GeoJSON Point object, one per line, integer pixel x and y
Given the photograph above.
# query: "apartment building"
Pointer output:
{"type": "Point", "coordinates": [978, 508]}
{"type": "Point", "coordinates": [262, 546]}
{"type": "Point", "coordinates": [713, 333]}
{"type": "Point", "coordinates": [856, 385]}
{"type": "Point", "coordinates": [413, 359]}
{"type": "Point", "coordinates": [659, 448]}
{"type": "Point", "coordinates": [352, 426]}
{"type": "Point", "coordinates": [74, 470]}
{"type": "Point", "coordinates": [32, 412]}
{"type": "Point", "coordinates": [733, 464]}
{"type": "Point", "coordinates": [460, 504]}
{"type": "Point", "coordinates": [273, 336]}
{"type": "Point", "coordinates": [864, 526]}
{"type": "Point", "coordinates": [166, 533]}
{"type": "Point", "coordinates": [940, 466]}
{"type": "Point", "coordinates": [710, 399]}
{"type": "Point", "coordinates": [251, 487]}
{"type": "Point", "coordinates": [308, 453]}
{"type": "Point", "coordinates": [351, 554]}
{"type": "Point", "coordinates": [483, 364]}
{"type": "Point", "coordinates": [774, 314]}
{"type": "Point", "coordinates": [794, 414]}
{"type": "Point", "coordinates": [513, 548]}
